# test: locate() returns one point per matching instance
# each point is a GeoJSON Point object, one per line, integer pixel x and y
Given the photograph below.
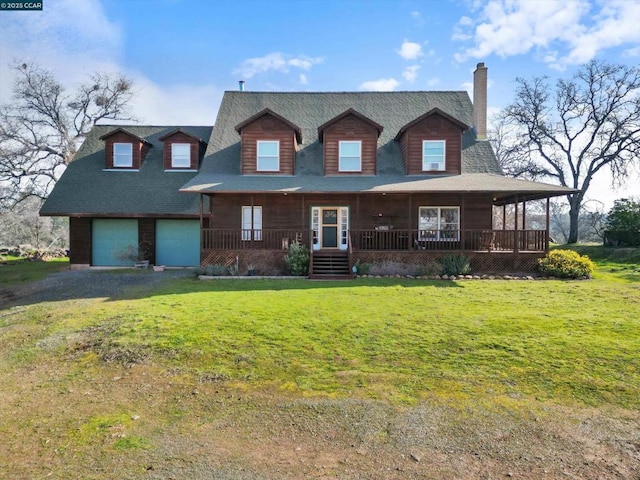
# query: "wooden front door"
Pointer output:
{"type": "Point", "coordinates": [330, 226]}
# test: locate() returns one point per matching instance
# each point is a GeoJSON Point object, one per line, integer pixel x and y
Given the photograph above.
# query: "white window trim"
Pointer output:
{"type": "Point", "coordinates": [173, 154]}
{"type": "Point", "coordinates": [436, 235]}
{"type": "Point", "coordinates": [426, 163]}
{"type": "Point", "coordinates": [129, 164]}
{"type": "Point", "coordinates": [277, 156]}
{"type": "Point", "coordinates": [252, 228]}
{"type": "Point", "coordinates": [340, 156]}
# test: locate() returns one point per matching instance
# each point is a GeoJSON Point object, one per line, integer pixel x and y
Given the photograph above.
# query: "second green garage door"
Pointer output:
{"type": "Point", "coordinates": [178, 243]}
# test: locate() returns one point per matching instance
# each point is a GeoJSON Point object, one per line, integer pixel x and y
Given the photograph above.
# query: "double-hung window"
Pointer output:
{"type": "Point", "coordinates": [180, 155]}
{"type": "Point", "coordinates": [268, 156]}
{"type": "Point", "coordinates": [251, 223]}
{"type": "Point", "coordinates": [439, 223]}
{"type": "Point", "coordinates": [350, 156]}
{"type": "Point", "coordinates": [123, 155]}
{"type": "Point", "coordinates": [433, 155]}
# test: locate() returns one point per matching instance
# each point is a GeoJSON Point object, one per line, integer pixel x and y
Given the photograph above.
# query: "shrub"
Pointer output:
{"type": "Point", "coordinates": [215, 270]}
{"type": "Point", "coordinates": [456, 265]}
{"type": "Point", "coordinates": [298, 259]}
{"type": "Point", "coordinates": [362, 268]}
{"type": "Point", "coordinates": [566, 264]}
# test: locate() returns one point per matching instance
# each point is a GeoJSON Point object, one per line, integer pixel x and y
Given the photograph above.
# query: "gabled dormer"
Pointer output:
{"type": "Point", "coordinates": [181, 151]}
{"type": "Point", "coordinates": [124, 150]}
{"type": "Point", "coordinates": [268, 144]}
{"type": "Point", "coordinates": [350, 143]}
{"type": "Point", "coordinates": [432, 144]}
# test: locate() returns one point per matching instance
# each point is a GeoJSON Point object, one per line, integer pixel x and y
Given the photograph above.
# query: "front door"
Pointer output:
{"type": "Point", "coordinates": [330, 226]}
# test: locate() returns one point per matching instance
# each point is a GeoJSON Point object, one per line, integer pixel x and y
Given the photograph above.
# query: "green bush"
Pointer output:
{"type": "Point", "coordinates": [215, 270]}
{"type": "Point", "coordinates": [456, 265]}
{"type": "Point", "coordinates": [566, 264]}
{"type": "Point", "coordinates": [298, 259]}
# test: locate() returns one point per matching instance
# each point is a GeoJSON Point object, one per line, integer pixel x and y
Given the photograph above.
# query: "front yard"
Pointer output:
{"type": "Point", "coordinates": [292, 378]}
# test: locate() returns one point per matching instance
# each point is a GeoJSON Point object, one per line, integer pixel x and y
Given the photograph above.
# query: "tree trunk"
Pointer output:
{"type": "Point", "coordinates": [574, 214]}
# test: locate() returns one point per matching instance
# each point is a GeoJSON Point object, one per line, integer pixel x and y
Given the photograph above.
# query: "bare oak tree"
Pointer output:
{"type": "Point", "coordinates": [571, 132]}
{"type": "Point", "coordinates": [43, 127]}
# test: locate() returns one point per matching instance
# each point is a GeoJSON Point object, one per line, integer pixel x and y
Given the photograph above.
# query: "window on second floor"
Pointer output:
{"type": "Point", "coordinates": [350, 156]}
{"type": "Point", "coordinates": [122, 155]}
{"type": "Point", "coordinates": [433, 155]}
{"type": "Point", "coordinates": [180, 155]}
{"type": "Point", "coordinates": [268, 156]}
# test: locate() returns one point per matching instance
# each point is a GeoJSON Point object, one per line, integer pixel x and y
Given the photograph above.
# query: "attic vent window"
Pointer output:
{"type": "Point", "coordinates": [123, 155]}
{"type": "Point", "coordinates": [180, 155]}
{"type": "Point", "coordinates": [433, 155]}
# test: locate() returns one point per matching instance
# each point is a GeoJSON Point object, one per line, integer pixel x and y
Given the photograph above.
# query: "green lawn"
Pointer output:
{"type": "Point", "coordinates": [18, 271]}
{"type": "Point", "coordinates": [566, 342]}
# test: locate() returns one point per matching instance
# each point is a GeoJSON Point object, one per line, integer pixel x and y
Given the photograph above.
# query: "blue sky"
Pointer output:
{"type": "Point", "coordinates": [183, 54]}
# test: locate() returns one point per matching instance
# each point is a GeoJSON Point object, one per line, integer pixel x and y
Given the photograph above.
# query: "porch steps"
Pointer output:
{"type": "Point", "coordinates": [330, 266]}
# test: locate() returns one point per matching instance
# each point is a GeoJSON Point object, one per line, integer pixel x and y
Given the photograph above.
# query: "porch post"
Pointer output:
{"type": "Point", "coordinates": [516, 238]}
{"type": "Point", "coordinates": [409, 234]}
{"type": "Point", "coordinates": [504, 216]}
{"type": "Point", "coordinates": [302, 225]}
{"type": "Point", "coordinates": [201, 225]}
{"type": "Point", "coordinates": [462, 222]}
{"type": "Point", "coordinates": [546, 237]}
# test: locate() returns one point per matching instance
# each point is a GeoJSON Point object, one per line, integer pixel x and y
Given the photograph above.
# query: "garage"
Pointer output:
{"type": "Point", "coordinates": [178, 243]}
{"type": "Point", "coordinates": [114, 242]}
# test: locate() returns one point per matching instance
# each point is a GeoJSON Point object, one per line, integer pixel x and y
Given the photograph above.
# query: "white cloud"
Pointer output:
{"type": "Point", "coordinates": [410, 50]}
{"type": "Point", "coordinates": [563, 33]}
{"type": "Point", "coordinates": [276, 61]}
{"type": "Point", "coordinates": [432, 82]}
{"type": "Point", "coordinates": [76, 39]}
{"type": "Point", "coordinates": [411, 73]}
{"type": "Point", "coordinates": [381, 85]}
{"type": "Point", "coordinates": [303, 79]}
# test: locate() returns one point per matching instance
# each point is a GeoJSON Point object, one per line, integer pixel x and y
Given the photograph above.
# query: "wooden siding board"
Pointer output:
{"type": "Point", "coordinates": [80, 241]}
{"type": "Point", "coordinates": [350, 128]}
{"type": "Point", "coordinates": [180, 137]}
{"type": "Point", "coordinates": [427, 129]}
{"type": "Point", "coordinates": [267, 127]}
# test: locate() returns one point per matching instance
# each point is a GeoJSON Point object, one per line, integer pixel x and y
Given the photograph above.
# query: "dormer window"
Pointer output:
{"type": "Point", "coordinates": [122, 155]}
{"type": "Point", "coordinates": [433, 155]}
{"type": "Point", "coordinates": [350, 156]}
{"type": "Point", "coordinates": [180, 155]}
{"type": "Point", "coordinates": [268, 156]}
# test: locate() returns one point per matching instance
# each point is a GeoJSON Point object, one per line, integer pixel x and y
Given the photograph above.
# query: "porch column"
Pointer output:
{"type": "Point", "coordinates": [546, 237]}
{"type": "Point", "coordinates": [504, 216]}
{"type": "Point", "coordinates": [516, 238]}
{"type": "Point", "coordinates": [201, 224]}
{"type": "Point", "coordinates": [462, 221]}
{"type": "Point", "coordinates": [409, 234]}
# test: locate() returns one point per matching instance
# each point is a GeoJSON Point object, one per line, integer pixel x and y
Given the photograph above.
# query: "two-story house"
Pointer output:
{"type": "Point", "coordinates": [406, 176]}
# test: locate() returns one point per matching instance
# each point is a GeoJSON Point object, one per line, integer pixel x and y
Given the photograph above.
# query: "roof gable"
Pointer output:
{"type": "Point", "coordinates": [179, 130]}
{"type": "Point", "coordinates": [433, 111]}
{"type": "Point", "coordinates": [268, 111]}
{"type": "Point", "coordinates": [344, 114]}
{"type": "Point", "coordinates": [126, 132]}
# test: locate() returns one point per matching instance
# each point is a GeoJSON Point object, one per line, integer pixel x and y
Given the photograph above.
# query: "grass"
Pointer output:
{"type": "Point", "coordinates": [18, 271]}
{"type": "Point", "coordinates": [401, 341]}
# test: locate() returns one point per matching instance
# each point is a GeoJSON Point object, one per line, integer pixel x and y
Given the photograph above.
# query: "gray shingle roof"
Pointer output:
{"type": "Point", "coordinates": [392, 110]}
{"type": "Point", "coordinates": [86, 188]}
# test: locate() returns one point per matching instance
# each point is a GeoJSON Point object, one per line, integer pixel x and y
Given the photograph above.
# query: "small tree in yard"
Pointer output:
{"type": "Point", "coordinates": [623, 223]}
{"type": "Point", "coordinates": [43, 127]}
{"type": "Point", "coordinates": [569, 134]}
{"type": "Point", "coordinates": [298, 259]}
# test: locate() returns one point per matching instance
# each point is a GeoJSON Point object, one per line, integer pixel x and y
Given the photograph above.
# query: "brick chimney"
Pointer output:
{"type": "Point", "coordinates": [480, 101]}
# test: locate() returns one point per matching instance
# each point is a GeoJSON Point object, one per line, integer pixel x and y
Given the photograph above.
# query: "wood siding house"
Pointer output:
{"type": "Point", "coordinates": [355, 176]}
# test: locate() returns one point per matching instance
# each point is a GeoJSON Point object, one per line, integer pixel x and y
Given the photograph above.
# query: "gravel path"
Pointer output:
{"type": "Point", "coordinates": [86, 283]}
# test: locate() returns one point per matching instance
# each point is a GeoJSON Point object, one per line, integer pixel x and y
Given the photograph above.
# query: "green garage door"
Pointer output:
{"type": "Point", "coordinates": [114, 242]}
{"type": "Point", "coordinates": [178, 243]}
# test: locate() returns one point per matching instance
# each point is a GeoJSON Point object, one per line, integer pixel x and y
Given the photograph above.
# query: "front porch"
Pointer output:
{"type": "Point", "coordinates": [376, 240]}
{"type": "Point", "coordinates": [490, 251]}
